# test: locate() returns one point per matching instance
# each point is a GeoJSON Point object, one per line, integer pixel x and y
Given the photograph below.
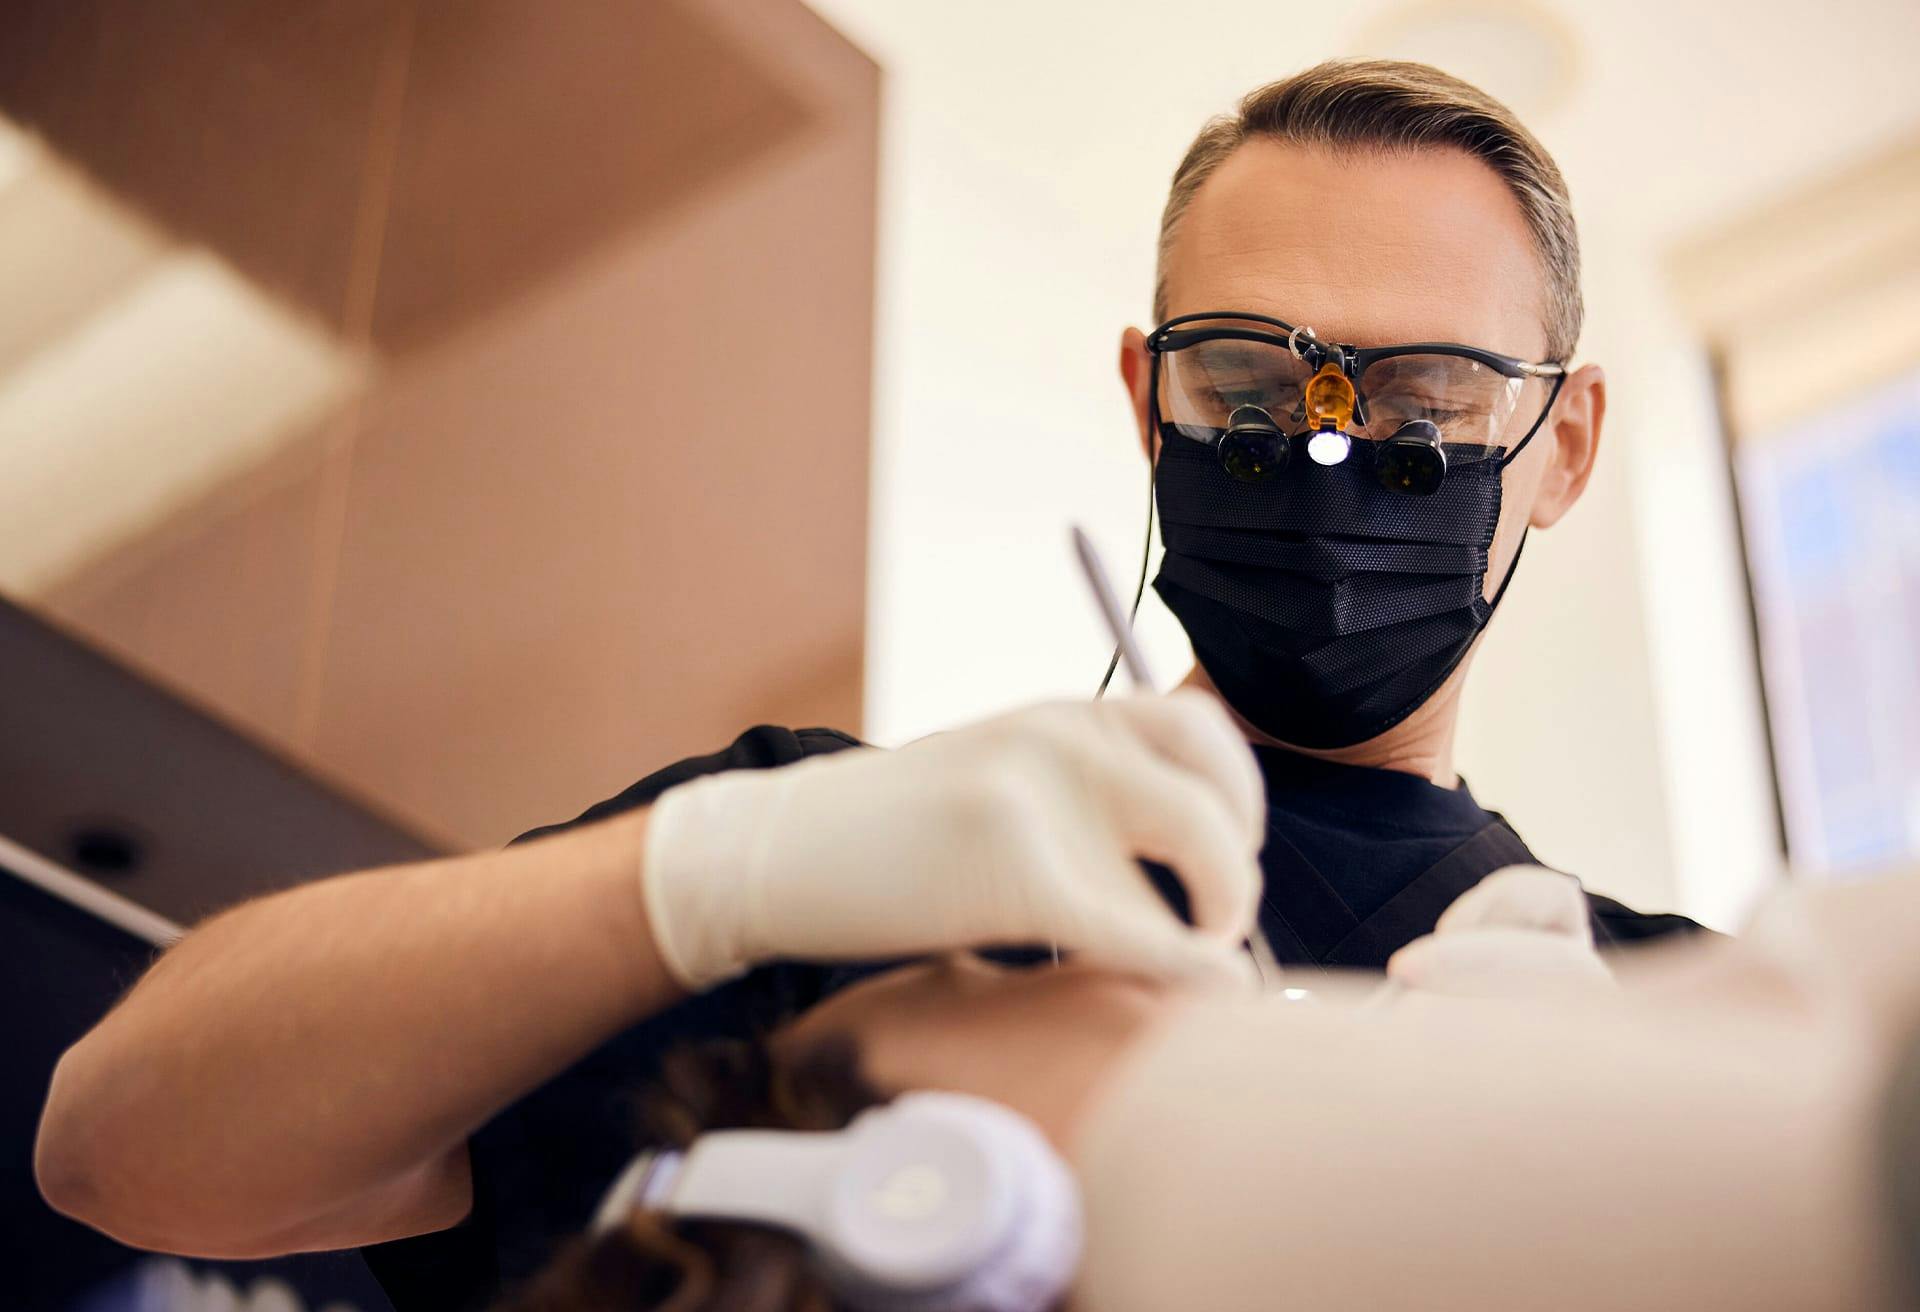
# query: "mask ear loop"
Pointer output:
{"type": "Point", "coordinates": [1506, 460]}
{"type": "Point", "coordinates": [1154, 439]}
{"type": "Point", "coordinates": [1146, 545]}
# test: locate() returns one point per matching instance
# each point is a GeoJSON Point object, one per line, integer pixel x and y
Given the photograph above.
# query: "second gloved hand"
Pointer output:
{"type": "Point", "coordinates": [1021, 830]}
{"type": "Point", "coordinates": [1520, 932]}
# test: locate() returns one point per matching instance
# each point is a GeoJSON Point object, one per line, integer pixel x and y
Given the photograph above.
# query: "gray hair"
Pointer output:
{"type": "Point", "coordinates": [1391, 104]}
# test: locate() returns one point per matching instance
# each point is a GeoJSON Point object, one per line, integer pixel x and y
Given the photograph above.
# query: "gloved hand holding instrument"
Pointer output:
{"type": "Point", "coordinates": [1024, 829]}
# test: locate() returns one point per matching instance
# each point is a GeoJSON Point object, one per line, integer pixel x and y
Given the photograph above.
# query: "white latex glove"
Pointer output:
{"type": "Point", "coordinates": [1022, 829]}
{"type": "Point", "coordinates": [1520, 932]}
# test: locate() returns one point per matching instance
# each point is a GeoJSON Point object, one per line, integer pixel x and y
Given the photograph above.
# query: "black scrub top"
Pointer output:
{"type": "Point", "coordinates": [1357, 862]}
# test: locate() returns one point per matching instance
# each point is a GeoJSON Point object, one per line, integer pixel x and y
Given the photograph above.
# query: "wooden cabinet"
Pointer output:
{"type": "Point", "coordinates": [597, 496]}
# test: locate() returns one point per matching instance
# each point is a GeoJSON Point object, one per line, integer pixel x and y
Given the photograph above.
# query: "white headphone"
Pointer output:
{"type": "Point", "coordinates": [936, 1202]}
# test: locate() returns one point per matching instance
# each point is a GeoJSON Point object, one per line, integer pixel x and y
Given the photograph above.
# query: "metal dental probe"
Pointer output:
{"type": "Point", "coordinates": [1130, 656]}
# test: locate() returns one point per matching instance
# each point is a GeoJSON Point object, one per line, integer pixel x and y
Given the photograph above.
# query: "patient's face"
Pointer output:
{"type": "Point", "coordinates": [1039, 1040]}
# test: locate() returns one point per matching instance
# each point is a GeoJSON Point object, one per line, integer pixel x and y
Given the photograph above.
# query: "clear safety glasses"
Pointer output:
{"type": "Point", "coordinates": [1255, 387]}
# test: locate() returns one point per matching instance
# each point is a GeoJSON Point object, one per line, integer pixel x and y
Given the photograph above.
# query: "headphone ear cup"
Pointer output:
{"type": "Point", "coordinates": [1036, 1272]}
{"type": "Point", "coordinates": [1412, 462]}
{"type": "Point", "coordinates": [949, 1203]}
{"type": "Point", "coordinates": [1253, 449]}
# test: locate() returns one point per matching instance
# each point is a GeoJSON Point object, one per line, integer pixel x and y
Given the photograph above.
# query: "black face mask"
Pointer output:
{"type": "Point", "coordinates": [1326, 608]}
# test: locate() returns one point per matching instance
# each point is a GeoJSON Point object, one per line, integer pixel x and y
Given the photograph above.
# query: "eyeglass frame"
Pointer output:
{"type": "Point", "coordinates": [1354, 360]}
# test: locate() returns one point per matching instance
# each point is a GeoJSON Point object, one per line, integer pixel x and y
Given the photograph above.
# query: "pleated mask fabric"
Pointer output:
{"type": "Point", "coordinates": [1325, 608]}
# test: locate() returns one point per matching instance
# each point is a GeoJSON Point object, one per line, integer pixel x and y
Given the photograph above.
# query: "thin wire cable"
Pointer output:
{"type": "Point", "coordinates": [1140, 585]}
{"type": "Point", "coordinates": [1139, 589]}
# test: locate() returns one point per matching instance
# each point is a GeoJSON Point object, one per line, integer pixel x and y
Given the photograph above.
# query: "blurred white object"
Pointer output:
{"type": "Point", "coordinates": [166, 1284]}
{"type": "Point", "coordinates": [1521, 932]}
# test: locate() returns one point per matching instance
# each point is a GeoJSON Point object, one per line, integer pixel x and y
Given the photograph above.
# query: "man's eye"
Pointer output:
{"type": "Point", "coordinates": [1276, 401]}
{"type": "Point", "coordinates": [1237, 396]}
{"type": "Point", "coordinates": [1404, 408]}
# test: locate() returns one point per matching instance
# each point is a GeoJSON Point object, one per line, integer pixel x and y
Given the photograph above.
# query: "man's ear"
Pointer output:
{"type": "Point", "coordinates": [1572, 432]}
{"type": "Point", "coordinates": [1136, 369]}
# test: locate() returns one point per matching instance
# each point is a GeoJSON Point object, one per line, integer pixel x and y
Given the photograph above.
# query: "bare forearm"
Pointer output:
{"type": "Point", "coordinates": [344, 1038]}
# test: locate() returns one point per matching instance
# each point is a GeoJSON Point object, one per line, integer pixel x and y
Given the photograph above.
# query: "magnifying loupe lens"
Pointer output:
{"type": "Point", "coordinates": [1253, 455]}
{"type": "Point", "coordinates": [1411, 461]}
{"type": "Point", "coordinates": [1253, 449]}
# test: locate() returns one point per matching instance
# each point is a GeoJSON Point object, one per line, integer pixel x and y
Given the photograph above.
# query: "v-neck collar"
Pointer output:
{"type": "Point", "coordinates": [1391, 799]}
{"type": "Point", "coordinates": [1355, 855]}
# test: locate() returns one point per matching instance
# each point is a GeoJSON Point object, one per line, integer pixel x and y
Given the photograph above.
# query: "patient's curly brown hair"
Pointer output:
{"type": "Point", "coordinates": [653, 1264]}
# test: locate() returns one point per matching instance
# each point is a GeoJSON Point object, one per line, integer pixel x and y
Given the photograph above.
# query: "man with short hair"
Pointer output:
{"type": "Point", "coordinates": [1357, 402]}
{"type": "Point", "coordinates": [1335, 608]}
